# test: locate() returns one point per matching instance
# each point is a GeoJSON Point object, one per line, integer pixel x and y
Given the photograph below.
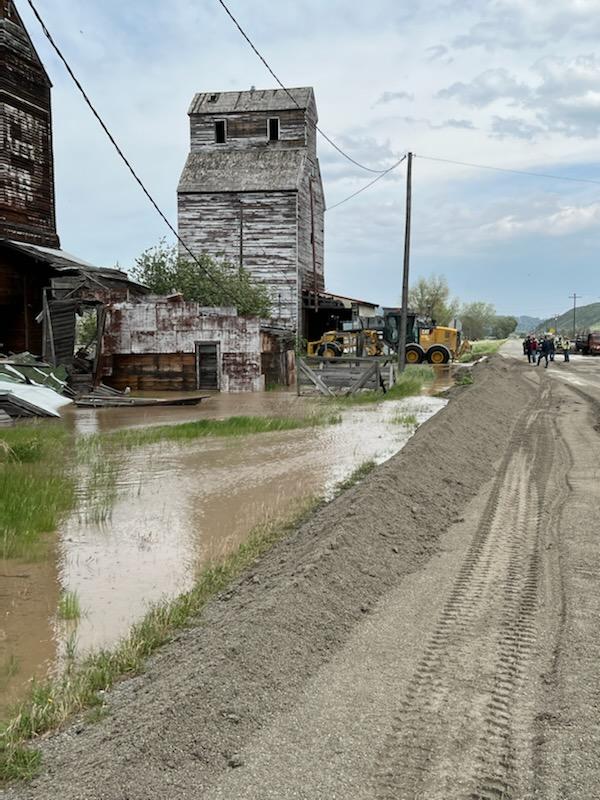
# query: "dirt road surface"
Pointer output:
{"type": "Point", "coordinates": [433, 633]}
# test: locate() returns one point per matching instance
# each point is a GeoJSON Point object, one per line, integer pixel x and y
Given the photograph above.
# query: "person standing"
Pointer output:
{"type": "Point", "coordinates": [551, 348]}
{"type": "Point", "coordinates": [534, 348]}
{"type": "Point", "coordinates": [566, 344]}
{"type": "Point", "coordinates": [544, 351]}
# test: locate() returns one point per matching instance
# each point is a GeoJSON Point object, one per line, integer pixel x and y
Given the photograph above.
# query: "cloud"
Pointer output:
{"type": "Point", "coordinates": [438, 52]}
{"type": "Point", "coordinates": [515, 128]}
{"type": "Point", "coordinates": [562, 95]}
{"type": "Point", "coordinates": [565, 221]}
{"type": "Point", "coordinates": [486, 88]}
{"type": "Point", "coordinates": [390, 97]}
{"type": "Point", "coordinates": [513, 24]}
{"type": "Point", "coordinates": [460, 124]}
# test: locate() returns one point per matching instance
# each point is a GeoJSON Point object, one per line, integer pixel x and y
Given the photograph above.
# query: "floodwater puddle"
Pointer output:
{"type": "Point", "coordinates": [151, 519]}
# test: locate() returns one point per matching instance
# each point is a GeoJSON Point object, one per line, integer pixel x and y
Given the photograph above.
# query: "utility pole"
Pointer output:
{"type": "Point", "coordinates": [574, 298]}
{"type": "Point", "coordinates": [406, 270]}
{"type": "Point", "coordinates": [241, 237]}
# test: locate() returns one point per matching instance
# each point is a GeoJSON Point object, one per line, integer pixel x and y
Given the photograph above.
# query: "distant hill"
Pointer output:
{"type": "Point", "coordinates": [527, 324]}
{"type": "Point", "coordinates": [588, 319]}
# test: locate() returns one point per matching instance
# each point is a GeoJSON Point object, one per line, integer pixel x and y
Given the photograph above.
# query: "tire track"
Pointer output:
{"type": "Point", "coordinates": [457, 734]}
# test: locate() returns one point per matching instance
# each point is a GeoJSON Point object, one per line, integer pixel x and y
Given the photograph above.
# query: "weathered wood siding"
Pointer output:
{"type": "Point", "coordinates": [162, 327]}
{"type": "Point", "coordinates": [264, 224]}
{"type": "Point", "coordinates": [26, 160]}
{"type": "Point", "coordinates": [268, 223]}
{"type": "Point", "coordinates": [249, 129]}
{"type": "Point", "coordinates": [21, 285]}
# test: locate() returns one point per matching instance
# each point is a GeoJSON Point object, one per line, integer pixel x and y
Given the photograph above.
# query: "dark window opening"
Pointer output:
{"type": "Point", "coordinates": [213, 98]}
{"type": "Point", "coordinates": [273, 129]}
{"type": "Point", "coordinates": [220, 131]}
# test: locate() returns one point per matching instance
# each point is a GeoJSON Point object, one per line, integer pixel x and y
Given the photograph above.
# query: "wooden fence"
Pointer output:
{"type": "Point", "coordinates": [345, 375]}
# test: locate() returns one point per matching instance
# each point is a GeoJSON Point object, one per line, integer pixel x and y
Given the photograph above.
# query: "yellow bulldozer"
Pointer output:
{"type": "Point", "coordinates": [426, 341]}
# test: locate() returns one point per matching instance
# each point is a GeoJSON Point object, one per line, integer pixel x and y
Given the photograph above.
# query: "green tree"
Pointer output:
{"type": "Point", "coordinates": [209, 282]}
{"type": "Point", "coordinates": [502, 327]}
{"type": "Point", "coordinates": [477, 319]}
{"type": "Point", "coordinates": [430, 297]}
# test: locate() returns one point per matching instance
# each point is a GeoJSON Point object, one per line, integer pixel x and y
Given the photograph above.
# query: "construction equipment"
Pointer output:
{"type": "Point", "coordinates": [426, 341]}
{"type": "Point", "coordinates": [335, 344]}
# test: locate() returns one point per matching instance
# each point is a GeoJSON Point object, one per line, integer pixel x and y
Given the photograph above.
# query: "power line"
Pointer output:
{"type": "Point", "coordinates": [368, 186]}
{"type": "Point", "coordinates": [123, 157]}
{"type": "Point", "coordinates": [512, 171]}
{"type": "Point", "coordinates": [292, 98]}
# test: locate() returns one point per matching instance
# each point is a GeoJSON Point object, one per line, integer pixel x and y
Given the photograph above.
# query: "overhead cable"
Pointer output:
{"type": "Point", "coordinates": [368, 186]}
{"type": "Point", "coordinates": [289, 94]}
{"type": "Point", "coordinates": [509, 170]}
{"type": "Point", "coordinates": [123, 157]}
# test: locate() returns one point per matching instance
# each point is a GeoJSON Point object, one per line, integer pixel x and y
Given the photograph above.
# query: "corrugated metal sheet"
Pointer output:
{"type": "Point", "coordinates": [257, 100]}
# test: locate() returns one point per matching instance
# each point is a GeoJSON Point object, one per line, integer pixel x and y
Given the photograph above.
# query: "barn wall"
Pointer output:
{"type": "Point", "coordinates": [249, 129]}
{"type": "Point", "coordinates": [171, 329]}
{"type": "Point", "coordinates": [212, 223]}
{"type": "Point", "coordinates": [26, 161]}
{"type": "Point", "coordinates": [21, 286]}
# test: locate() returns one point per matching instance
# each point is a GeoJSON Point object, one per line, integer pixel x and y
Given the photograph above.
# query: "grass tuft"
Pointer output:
{"type": "Point", "coordinates": [464, 380]}
{"type": "Point", "coordinates": [408, 420]}
{"type": "Point", "coordinates": [68, 606]}
{"type": "Point", "coordinates": [356, 476]}
{"type": "Point", "coordinates": [409, 383]}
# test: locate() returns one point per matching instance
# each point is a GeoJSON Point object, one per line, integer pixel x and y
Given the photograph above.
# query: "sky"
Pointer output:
{"type": "Point", "coordinates": [504, 83]}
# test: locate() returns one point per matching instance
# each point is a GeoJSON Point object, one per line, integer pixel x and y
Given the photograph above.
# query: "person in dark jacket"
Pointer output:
{"type": "Point", "coordinates": [544, 351]}
{"type": "Point", "coordinates": [552, 350]}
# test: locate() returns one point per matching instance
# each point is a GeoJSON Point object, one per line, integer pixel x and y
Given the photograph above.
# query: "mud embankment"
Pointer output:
{"type": "Point", "coordinates": [173, 731]}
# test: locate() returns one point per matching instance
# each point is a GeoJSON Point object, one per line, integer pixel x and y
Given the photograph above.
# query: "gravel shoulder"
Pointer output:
{"type": "Point", "coordinates": [425, 635]}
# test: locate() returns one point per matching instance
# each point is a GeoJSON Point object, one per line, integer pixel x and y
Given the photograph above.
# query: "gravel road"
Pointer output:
{"type": "Point", "coordinates": [432, 633]}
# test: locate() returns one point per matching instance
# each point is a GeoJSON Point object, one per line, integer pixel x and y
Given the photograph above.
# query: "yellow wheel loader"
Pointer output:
{"type": "Point", "coordinates": [426, 342]}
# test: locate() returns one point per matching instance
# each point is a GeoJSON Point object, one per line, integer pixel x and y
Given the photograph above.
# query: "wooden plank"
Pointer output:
{"type": "Point", "coordinates": [314, 378]}
{"type": "Point", "coordinates": [370, 373]}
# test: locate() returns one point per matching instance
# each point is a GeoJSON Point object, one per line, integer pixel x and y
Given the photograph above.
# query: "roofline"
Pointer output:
{"type": "Point", "coordinates": [238, 191]}
{"type": "Point", "coordinates": [353, 299]}
{"type": "Point", "coordinates": [31, 44]}
{"type": "Point", "coordinates": [301, 107]}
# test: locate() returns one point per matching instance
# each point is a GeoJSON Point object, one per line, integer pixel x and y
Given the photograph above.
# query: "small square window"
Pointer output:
{"type": "Point", "coordinates": [273, 129]}
{"type": "Point", "coordinates": [220, 131]}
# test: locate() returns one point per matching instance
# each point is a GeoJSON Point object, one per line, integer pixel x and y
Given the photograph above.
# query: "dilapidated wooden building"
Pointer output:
{"type": "Point", "coordinates": [251, 191]}
{"type": "Point", "coordinates": [26, 160]}
{"type": "Point", "coordinates": [168, 344]}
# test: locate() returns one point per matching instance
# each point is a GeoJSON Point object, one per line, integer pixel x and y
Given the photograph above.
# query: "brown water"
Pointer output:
{"type": "Point", "coordinates": [147, 525]}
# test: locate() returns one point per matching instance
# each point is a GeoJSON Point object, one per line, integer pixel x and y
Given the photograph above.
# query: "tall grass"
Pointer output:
{"type": "Point", "coordinates": [34, 498]}
{"type": "Point", "coordinates": [408, 383]}
{"type": "Point", "coordinates": [35, 491]}
{"type": "Point", "coordinates": [69, 607]}
{"type": "Point", "coordinates": [232, 426]}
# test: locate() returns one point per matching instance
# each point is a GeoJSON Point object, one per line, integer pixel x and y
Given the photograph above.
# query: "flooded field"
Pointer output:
{"type": "Point", "coordinates": [151, 518]}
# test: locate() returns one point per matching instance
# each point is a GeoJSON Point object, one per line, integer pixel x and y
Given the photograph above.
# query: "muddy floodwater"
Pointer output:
{"type": "Point", "coordinates": [148, 521]}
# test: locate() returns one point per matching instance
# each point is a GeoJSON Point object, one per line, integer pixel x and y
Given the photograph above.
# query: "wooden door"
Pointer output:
{"type": "Point", "coordinates": [207, 366]}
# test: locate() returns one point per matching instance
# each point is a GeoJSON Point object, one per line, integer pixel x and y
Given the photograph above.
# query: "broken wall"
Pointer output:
{"type": "Point", "coordinates": [153, 345]}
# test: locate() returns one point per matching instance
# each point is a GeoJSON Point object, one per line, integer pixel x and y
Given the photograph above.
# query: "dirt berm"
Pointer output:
{"type": "Point", "coordinates": [209, 697]}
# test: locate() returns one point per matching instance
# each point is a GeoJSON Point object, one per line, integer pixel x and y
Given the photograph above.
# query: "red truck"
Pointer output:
{"type": "Point", "coordinates": [588, 344]}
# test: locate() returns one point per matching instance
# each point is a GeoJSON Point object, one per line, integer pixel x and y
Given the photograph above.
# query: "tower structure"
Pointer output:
{"type": "Point", "coordinates": [27, 205]}
{"type": "Point", "coordinates": [251, 191]}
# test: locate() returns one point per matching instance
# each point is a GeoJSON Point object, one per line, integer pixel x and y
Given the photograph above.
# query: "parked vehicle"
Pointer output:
{"type": "Point", "coordinates": [588, 344]}
{"type": "Point", "coordinates": [426, 342]}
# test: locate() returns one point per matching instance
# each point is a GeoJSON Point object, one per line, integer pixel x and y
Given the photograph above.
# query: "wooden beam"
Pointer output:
{"type": "Point", "coordinates": [367, 375]}
{"type": "Point", "coordinates": [318, 382]}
